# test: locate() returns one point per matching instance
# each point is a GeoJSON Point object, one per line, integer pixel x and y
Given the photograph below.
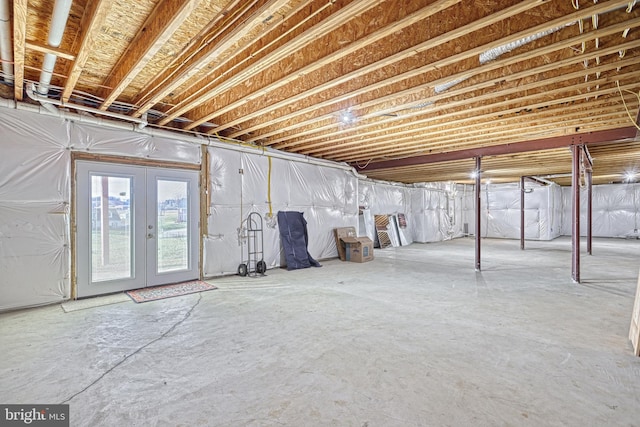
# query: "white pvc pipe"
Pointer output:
{"type": "Point", "coordinates": [6, 52]}
{"type": "Point", "coordinates": [56, 30]}
{"type": "Point", "coordinates": [43, 99]}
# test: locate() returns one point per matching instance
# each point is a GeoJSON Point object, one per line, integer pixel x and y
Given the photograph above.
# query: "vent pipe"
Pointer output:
{"type": "Point", "coordinates": [494, 53]}
{"type": "Point", "coordinates": [56, 30]}
{"type": "Point", "coordinates": [6, 53]}
{"type": "Point", "coordinates": [48, 103]}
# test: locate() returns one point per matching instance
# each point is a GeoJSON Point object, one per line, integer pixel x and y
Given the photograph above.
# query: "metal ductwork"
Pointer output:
{"type": "Point", "coordinates": [56, 30]}
{"type": "Point", "coordinates": [494, 53]}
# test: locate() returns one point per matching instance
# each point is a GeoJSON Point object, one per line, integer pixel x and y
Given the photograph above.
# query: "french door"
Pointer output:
{"type": "Point", "coordinates": [137, 226]}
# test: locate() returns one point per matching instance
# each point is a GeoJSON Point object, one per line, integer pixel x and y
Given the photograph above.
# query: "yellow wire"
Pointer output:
{"type": "Point", "coordinates": [625, 103]}
{"type": "Point", "coordinates": [269, 188]}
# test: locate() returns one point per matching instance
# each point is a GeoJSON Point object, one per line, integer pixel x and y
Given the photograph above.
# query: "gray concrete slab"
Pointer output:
{"type": "Point", "coordinates": [414, 338]}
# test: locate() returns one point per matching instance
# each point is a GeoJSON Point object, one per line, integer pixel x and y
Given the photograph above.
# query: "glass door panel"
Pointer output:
{"type": "Point", "coordinates": [110, 250]}
{"type": "Point", "coordinates": [172, 218]}
{"type": "Point", "coordinates": [111, 233]}
{"type": "Point", "coordinates": [173, 225]}
{"type": "Point", "coordinates": [136, 227]}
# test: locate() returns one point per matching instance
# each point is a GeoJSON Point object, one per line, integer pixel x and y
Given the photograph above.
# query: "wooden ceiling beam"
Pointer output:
{"type": "Point", "coordinates": [281, 143]}
{"type": "Point", "coordinates": [397, 98]}
{"type": "Point", "coordinates": [420, 141]}
{"type": "Point", "coordinates": [92, 22]}
{"type": "Point", "coordinates": [387, 62]}
{"type": "Point", "coordinates": [188, 103]}
{"type": "Point", "coordinates": [39, 47]}
{"type": "Point", "coordinates": [465, 103]}
{"type": "Point", "coordinates": [601, 137]}
{"type": "Point", "coordinates": [468, 106]}
{"type": "Point", "coordinates": [452, 129]}
{"type": "Point", "coordinates": [200, 56]}
{"type": "Point", "coordinates": [164, 20]}
{"type": "Point", "coordinates": [372, 38]}
{"type": "Point", "coordinates": [557, 98]}
{"type": "Point", "coordinates": [19, 42]}
{"type": "Point", "coordinates": [474, 52]}
{"type": "Point", "coordinates": [596, 124]}
{"type": "Point", "coordinates": [333, 22]}
{"type": "Point", "coordinates": [195, 43]}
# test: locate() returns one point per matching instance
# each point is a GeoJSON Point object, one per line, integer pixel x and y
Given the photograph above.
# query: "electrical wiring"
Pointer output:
{"type": "Point", "coordinates": [625, 103]}
{"type": "Point", "coordinates": [362, 167]}
{"type": "Point", "coordinates": [269, 189]}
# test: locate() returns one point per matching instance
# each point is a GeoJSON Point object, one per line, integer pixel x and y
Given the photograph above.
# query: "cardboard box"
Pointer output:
{"type": "Point", "coordinates": [339, 233]}
{"type": "Point", "coordinates": [358, 249]}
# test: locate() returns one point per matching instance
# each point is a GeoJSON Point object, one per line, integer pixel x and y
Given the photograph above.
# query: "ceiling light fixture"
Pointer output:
{"type": "Point", "coordinates": [629, 176]}
{"type": "Point", "coordinates": [347, 117]}
{"type": "Point", "coordinates": [474, 174]}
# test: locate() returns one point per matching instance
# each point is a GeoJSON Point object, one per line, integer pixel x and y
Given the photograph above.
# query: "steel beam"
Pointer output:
{"type": "Point", "coordinates": [522, 213]}
{"type": "Point", "coordinates": [576, 154]}
{"type": "Point", "coordinates": [589, 175]}
{"type": "Point", "coordinates": [592, 138]}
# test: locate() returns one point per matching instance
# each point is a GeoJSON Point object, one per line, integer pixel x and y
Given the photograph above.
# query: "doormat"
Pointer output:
{"type": "Point", "coordinates": [168, 291]}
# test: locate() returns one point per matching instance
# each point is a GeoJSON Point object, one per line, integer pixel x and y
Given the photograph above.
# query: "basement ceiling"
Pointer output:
{"type": "Point", "coordinates": [407, 91]}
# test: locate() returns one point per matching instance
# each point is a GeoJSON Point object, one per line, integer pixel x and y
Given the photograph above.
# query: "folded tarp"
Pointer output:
{"type": "Point", "coordinates": [295, 240]}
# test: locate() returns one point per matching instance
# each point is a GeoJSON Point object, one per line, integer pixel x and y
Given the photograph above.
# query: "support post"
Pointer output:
{"type": "Point", "coordinates": [589, 209]}
{"type": "Point", "coordinates": [522, 213]}
{"type": "Point", "coordinates": [477, 209]}
{"type": "Point", "coordinates": [576, 152]}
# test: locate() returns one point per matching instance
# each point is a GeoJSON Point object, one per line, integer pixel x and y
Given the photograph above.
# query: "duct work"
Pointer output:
{"type": "Point", "coordinates": [58, 23]}
{"type": "Point", "coordinates": [494, 53]}
{"type": "Point", "coordinates": [6, 52]}
{"type": "Point", "coordinates": [446, 86]}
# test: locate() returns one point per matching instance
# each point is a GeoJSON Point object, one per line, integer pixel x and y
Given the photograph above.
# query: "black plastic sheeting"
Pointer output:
{"type": "Point", "coordinates": [295, 241]}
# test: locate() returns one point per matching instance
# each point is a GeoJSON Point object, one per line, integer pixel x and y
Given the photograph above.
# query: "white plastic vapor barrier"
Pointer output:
{"type": "Point", "coordinates": [615, 213]}
{"type": "Point", "coordinates": [434, 212]}
{"type": "Point", "coordinates": [35, 194]}
{"type": "Point", "coordinates": [98, 140]}
{"type": "Point", "coordinates": [388, 199]}
{"type": "Point", "coordinates": [34, 253]}
{"type": "Point", "coordinates": [240, 185]}
{"type": "Point", "coordinates": [500, 211]}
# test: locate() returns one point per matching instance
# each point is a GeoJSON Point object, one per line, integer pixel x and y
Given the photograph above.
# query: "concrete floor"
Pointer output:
{"type": "Point", "coordinates": [414, 338]}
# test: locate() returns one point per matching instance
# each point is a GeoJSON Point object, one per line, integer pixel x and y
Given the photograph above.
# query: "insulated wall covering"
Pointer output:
{"type": "Point", "coordinates": [240, 185]}
{"type": "Point", "coordinates": [500, 211]}
{"type": "Point", "coordinates": [387, 199]}
{"type": "Point", "coordinates": [35, 194]}
{"type": "Point", "coordinates": [437, 212]}
{"type": "Point", "coordinates": [616, 210]}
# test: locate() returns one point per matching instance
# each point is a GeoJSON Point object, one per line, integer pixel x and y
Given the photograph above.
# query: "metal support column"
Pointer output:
{"type": "Point", "coordinates": [477, 209]}
{"type": "Point", "coordinates": [522, 212]}
{"type": "Point", "coordinates": [576, 154]}
{"type": "Point", "coordinates": [589, 209]}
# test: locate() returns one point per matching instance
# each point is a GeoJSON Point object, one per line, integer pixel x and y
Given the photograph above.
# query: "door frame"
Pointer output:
{"type": "Point", "coordinates": [202, 168]}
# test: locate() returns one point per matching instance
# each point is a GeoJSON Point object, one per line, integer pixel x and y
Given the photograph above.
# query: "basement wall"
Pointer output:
{"type": "Point", "coordinates": [500, 211]}
{"type": "Point", "coordinates": [615, 213]}
{"type": "Point", "coordinates": [240, 182]}
{"type": "Point", "coordinates": [36, 186]}
{"type": "Point", "coordinates": [35, 197]}
{"type": "Point", "coordinates": [437, 209]}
